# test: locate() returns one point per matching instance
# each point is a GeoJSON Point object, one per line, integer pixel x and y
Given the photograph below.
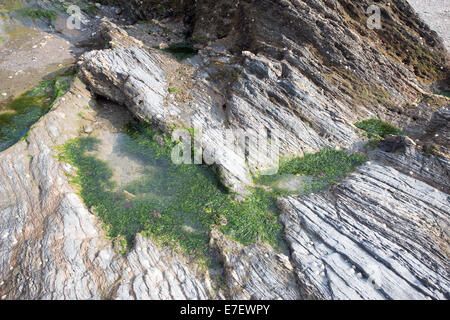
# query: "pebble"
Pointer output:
{"type": "Point", "coordinates": [87, 129]}
{"type": "Point", "coordinates": [4, 94]}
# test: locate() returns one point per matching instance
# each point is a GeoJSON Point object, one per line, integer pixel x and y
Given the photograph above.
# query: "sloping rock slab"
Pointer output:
{"type": "Point", "coordinates": [255, 272]}
{"type": "Point", "coordinates": [379, 235]}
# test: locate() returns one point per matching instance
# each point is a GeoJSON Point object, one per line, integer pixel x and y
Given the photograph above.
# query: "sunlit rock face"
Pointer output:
{"type": "Point", "coordinates": [359, 233]}
{"type": "Point", "coordinates": [306, 69]}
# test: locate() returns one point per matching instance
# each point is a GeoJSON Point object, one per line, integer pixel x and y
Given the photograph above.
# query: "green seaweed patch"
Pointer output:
{"type": "Point", "coordinates": [177, 205]}
{"type": "Point", "coordinates": [173, 90]}
{"type": "Point", "coordinates": [197, 194]}
{"type": "Point", "coordinates": [322, 169]}
{"type": "Point", "coordinates": [377, 129]}
{"type": "Point", "coordinates": [23, 112]}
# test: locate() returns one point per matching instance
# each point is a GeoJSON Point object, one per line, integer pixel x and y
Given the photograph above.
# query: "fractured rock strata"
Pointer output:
{"type": "Point", "coordinates": [380, 234]}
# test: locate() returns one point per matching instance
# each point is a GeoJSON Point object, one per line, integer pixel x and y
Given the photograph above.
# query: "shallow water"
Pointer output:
{"type": "Point", "coordinates": [29, 49]}
{"type": "Point", "coordinates": [19, 115]}
{"type": "Point", "coordinates": [29, 54]}
{"type": "Point", "coordinates": [129, 181]}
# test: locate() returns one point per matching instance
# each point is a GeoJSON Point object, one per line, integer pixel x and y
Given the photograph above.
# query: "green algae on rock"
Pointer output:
{"type": "Point", "coordinates": [376, 128]}
{"type": "Point", "coordinates": [178, 205]}
{"type": "Point", "coordinates": [18, 116]}
{"type": "Point", "coordinates": [319, 170]}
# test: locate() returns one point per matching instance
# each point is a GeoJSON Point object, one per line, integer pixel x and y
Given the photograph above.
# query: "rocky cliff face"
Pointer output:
{"type": "Point", "coordinates": [307, 69]}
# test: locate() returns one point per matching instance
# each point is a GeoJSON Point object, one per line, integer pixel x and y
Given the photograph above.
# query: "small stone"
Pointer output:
{"type": "Point", "coordinates": [163, 45]}
{"type": "Point", "coordinates": [409, 142]}
{"type": "Point", "coordinates": [87, 129]}
{"type": "Point", "coordinates": [159, 140]}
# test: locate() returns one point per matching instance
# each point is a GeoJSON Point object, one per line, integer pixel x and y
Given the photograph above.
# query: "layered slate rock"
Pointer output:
{"type": "Point", "coordinates": [255, 272]}
{"type": "Point", "coordinates": [380, 234]}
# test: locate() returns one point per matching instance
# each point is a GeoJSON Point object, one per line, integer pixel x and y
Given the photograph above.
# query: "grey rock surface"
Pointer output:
{"type": "Point", "coordinates": [380, 234]}
{"type": "Point", "coordinates": [255, 272]}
